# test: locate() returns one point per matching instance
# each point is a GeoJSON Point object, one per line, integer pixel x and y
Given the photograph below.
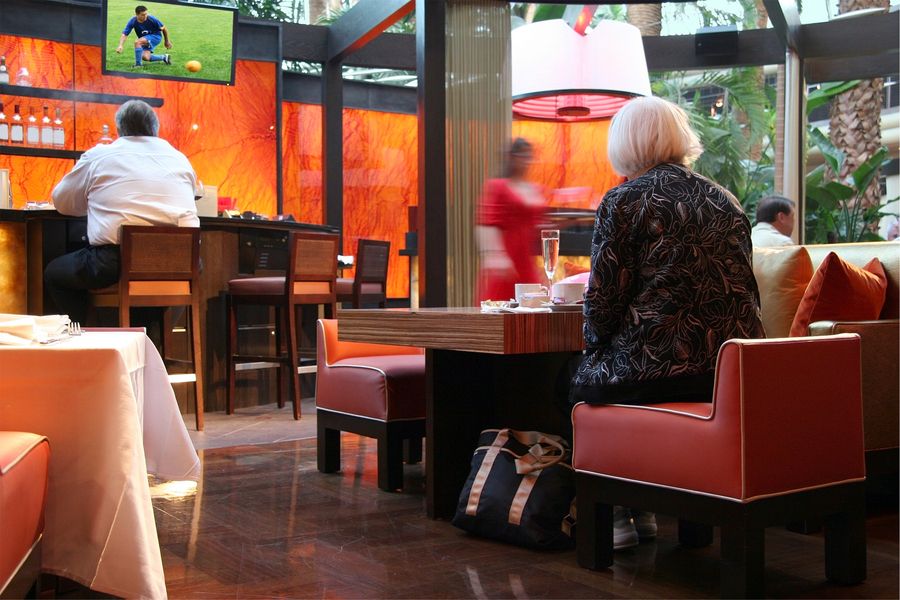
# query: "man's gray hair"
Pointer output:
{"type": "Point", "coordinates": [135, 117]}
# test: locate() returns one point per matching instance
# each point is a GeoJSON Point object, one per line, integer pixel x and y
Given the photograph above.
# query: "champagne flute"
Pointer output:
{"type": "Point", "coordinates": [550, 251]}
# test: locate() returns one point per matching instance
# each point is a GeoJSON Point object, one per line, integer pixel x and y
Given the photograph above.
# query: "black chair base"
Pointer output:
{"type": "Point", "coordinates": [842, 508]}
{"type": "Point", "coordinates": [26, 582]}
{"type": "Point", "coordinates": [397, 440]}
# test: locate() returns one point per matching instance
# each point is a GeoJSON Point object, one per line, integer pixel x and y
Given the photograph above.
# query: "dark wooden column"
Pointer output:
{"type": "Point", "coordinates": [333, 143]}
{"type": "Point", "coordinates": [431, 38]}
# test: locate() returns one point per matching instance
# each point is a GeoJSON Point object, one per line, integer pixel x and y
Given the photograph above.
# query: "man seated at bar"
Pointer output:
{"type": "Point", "coordinates": [139, 179]}
{"type": "Point", "coordinates": [671, 277]}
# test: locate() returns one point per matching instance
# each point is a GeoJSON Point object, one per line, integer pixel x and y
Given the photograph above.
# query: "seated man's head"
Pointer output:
{"type": "Point", "coordinates": [135, 117]}
{"type": "Point", "coordinates": [778, 211]}
{"type": "Point", "coordinates": [140, 11]}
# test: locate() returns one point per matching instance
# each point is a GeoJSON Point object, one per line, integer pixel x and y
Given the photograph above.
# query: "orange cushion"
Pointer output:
{"type": "Point", "coordinates": [782, 274]}
{"type": "Point", "coordinates": [24, 463]}
{"type": "Point", "coordinates": [839, 291]}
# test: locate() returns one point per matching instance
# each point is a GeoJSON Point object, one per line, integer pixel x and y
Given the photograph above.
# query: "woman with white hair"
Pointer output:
{"type": "Point", "coordinates": [671, 276]}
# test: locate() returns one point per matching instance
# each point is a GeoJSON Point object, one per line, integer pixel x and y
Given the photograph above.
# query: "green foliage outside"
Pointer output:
{"type": "Point", "coordinates": [196, 34]}
{"type": "Point", "coordinates": [744, 128]}
{"type": "Point", "coordinates": [834, 209]}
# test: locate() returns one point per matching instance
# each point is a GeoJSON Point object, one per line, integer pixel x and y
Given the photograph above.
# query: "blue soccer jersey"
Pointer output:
{"type": "Point", "coordinates": [150, 26]}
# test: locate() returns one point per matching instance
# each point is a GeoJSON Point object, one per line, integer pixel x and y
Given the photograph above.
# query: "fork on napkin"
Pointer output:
{"type": "Point", "coordinates": [22, 330]}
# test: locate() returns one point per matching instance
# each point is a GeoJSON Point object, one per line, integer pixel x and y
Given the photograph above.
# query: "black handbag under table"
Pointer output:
{"type": "Point", "coordinates": [520, 490]}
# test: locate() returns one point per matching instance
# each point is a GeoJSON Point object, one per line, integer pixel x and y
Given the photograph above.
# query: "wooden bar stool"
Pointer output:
{"type": "Point", "coordinates": [310, 280]}
{"type": "Point", "coordinates": [160, 266]}
{"type": "Point", "coordinates": [369, 285]}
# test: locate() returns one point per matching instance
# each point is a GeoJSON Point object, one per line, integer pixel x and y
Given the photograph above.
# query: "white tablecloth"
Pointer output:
{"type": "Point", "coordinates": [104, 401]}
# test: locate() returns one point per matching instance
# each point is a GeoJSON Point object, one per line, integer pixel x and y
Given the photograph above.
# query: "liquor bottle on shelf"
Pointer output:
{"type": "Point", "coordinates": [4, 72]}
{"type": "Point", "coordinates": [59, 132]}
{"type": "Point", "coordinates": [104, 135]}
{"type": "Point", "coordinates": [32, 133]}
{"type": "Point", "coordinates": [16, 129]}
{"type": "Point", "coordinates": [4, 128]}
{"type": "Point", "coordinates": [46, 129]}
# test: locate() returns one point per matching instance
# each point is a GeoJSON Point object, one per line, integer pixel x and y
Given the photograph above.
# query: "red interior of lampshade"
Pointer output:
{"type": "Point", "coordinates": [570, 107]}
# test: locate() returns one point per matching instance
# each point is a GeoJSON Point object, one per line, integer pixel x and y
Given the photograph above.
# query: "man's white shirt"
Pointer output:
{"type": "Point", "coordinates": [764, 234]}
{"type": "Point", "coordinates": [136, 180]}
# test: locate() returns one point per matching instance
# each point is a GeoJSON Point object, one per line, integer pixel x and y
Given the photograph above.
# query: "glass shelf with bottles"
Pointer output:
{"type": "Point", "coordinates": [38, 129]}
{"type": "Point", "coordinates": [23, 88]}
{"type": "Point", "coordinates": [35, 133]}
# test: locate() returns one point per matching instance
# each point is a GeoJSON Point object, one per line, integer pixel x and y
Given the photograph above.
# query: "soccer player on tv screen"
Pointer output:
{"type": "Point", "coordinates": [150, 32]}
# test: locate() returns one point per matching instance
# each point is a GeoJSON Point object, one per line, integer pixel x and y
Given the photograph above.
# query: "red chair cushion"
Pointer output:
{"type": "Point", "coordinates": [840, 291]}
{"type": "Point", "coordinates": [256, 286]}
{"type": "Point", "coordinates": [344, 287]}
{"type": "Point", "coordinates": [385, 388]}
{"type": "Point", "coordinates": [786, 416]}
{"type": "Point", "coordinates": [24, 461]}
{"type": "Point", "coordinates": [664, 444]}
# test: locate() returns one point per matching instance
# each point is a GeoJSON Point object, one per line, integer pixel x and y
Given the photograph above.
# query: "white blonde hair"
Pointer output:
{"type": "Point", "coordinates": [648, 131]}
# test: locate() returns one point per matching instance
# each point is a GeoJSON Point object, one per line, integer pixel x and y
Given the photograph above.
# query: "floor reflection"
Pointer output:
{"type": "Point", "coordinates": [263, 522]}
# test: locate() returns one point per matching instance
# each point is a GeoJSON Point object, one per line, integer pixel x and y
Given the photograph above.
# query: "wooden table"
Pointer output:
{"type": "Point", "coordinates": [483, 370]}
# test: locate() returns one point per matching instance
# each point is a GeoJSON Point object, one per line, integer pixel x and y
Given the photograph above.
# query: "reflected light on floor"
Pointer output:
{"type": "Point", "coordinates": [173, 489]}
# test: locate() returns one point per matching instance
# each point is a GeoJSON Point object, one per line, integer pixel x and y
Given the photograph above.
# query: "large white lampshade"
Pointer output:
{"type": "Point", "coordinates": [561, 75]}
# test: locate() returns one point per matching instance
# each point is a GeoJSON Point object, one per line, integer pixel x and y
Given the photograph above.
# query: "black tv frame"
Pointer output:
{"type": "Point", "coordinates": [138, 75]}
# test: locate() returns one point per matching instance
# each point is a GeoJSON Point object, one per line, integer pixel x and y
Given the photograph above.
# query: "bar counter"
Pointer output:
{"type": "Point", "coordinates": [29, 239]}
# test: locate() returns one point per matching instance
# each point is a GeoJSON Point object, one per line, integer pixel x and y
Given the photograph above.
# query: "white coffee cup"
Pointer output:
{"type": "Point", "coordinates": [567, 293]}
{"type": "Point", "coordinates": [534, 289]}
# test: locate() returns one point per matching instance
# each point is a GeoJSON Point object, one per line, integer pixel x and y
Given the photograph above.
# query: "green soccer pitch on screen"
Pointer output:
{"type": "Point", "coordinates": [169, 40]}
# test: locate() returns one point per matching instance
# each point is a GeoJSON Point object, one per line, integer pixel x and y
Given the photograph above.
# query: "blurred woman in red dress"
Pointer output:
{"type": "Point", "coordinates": [510, 212]}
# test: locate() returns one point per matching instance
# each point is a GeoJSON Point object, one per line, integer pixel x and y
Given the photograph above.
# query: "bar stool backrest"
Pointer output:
{"type": "Point", "coordinates": [159, 261]}
{"type": "Point", "coordinates": [312, 267]}
{"type": "Point", "coordinates": [372, 265]}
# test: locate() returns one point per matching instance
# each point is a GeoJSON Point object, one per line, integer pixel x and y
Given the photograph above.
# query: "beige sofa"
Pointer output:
{"type": "Point", "coordinates": [783, 273]}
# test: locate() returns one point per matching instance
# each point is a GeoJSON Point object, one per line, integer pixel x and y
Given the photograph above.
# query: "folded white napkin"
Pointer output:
{"type": "Point", "coordinates": [21, 330]}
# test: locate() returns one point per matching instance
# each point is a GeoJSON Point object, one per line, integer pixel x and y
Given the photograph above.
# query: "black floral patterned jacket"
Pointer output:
{"type": "Point", "coordinates": [671, 280]}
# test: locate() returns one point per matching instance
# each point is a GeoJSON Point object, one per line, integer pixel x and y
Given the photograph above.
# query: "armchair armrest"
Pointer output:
{"type": "Point", "coordinates": [880, 342]}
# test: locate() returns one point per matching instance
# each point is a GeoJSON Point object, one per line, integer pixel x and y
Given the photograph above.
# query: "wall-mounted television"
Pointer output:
{"type": "Point", "coordinates": [166, 39]}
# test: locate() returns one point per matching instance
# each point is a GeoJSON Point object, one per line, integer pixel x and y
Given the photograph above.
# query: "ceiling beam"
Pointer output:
{"type": "Point", "coordinates": [786, 20]}
{"type": "Point", "coordinates": [820, 70]}
{"type": "Point", "coordinates": [677, 52]}
{"type": "Point", "coordinates": [389, 50]}
{"type": "Point", "coordinates": [362, 23]}
{"type": "Point", "coordinates": [865, 35]}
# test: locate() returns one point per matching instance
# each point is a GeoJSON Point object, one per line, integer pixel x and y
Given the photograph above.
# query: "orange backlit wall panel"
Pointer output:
{"type": "Point", "coordinates": [227, 132]}
{"type": "Point", "coordinates": [379, 178]}
{"type": "Point", "coordinates": [570, 161]}
{"type": "Point", "coordinates": [380, 182]}
{"type": "Point", "coordinates": [301, 144]}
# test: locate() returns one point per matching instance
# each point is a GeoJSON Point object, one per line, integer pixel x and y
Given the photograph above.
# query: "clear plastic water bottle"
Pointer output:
{"type": "Point", "coordinates": [105, 138]}
{"type": "Point", "coordinates": [23, 77]}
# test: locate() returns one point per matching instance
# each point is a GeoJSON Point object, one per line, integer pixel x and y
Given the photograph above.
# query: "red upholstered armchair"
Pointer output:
{"type": "Point", "coordinates": [374, 390]}
{"type": "Point", "coordinates": [782, 441]}
{"type": "Point", "coordinates": [24, 461]}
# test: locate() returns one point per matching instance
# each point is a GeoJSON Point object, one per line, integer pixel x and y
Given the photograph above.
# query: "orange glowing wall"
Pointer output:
{"type": "Point", "coordinates": [227, 132]}
{"type": "Point", "coordinates": [570, 161]}
{"type": "Point", "coordinates": [379, 178]}
{"type": "Point", "coordinates": [301, 144]}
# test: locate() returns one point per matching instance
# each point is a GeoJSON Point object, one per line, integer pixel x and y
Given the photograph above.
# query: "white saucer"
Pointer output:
{"type": "Point", "coordinates": [565, 307]}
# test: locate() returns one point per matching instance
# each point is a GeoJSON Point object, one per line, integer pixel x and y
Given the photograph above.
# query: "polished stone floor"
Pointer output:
{"type": "Point", "coordinates": [264, 523]}
{"type": "Point", "coordinates": [260, 424]}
